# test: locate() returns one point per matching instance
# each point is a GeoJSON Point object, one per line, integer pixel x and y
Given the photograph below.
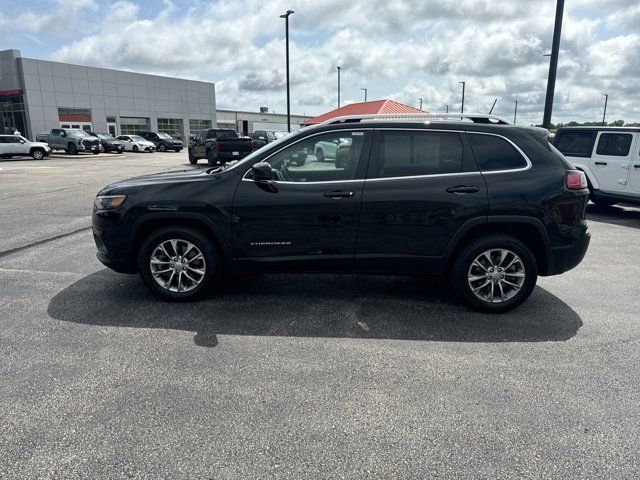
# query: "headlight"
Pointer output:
{"type": "Point", "coordinates": [106, 202]}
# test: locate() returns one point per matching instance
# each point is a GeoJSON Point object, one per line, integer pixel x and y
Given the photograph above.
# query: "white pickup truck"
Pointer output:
{"type": "Point", "coordinates": [610, 158]}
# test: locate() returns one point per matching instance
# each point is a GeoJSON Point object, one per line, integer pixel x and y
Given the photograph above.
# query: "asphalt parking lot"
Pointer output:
{"type": "Point", "coordinates": [313, 376]}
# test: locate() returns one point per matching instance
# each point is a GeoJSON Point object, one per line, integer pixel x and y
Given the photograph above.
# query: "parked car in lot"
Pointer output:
{"type": "Point", "coordinates": [71, 140]}
{"type": "Point", "coordinates": [486, 207]}
{"type": "Point", "coordinates": [610, 158]}
{"type": "Point", "coordinates": [108, 143]}
{"type": "Point", "coordinates": [17, 146]}
{"type": "Point", "coordinates": [327, 149]}
{"type": "Point", "coordinates": [261, 138]}
{"type": "Point", "coordinates": [219, 146]}
{"type": "Point", "coordinates": [135, 143]}
{"type": "Point", "coordinates": [162, 141]}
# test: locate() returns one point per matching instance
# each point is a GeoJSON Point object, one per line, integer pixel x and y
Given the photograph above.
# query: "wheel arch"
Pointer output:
{"type": "Point", "coordinates": [528, 230]}
{"type": "Point", "coordinates": [154, 221]}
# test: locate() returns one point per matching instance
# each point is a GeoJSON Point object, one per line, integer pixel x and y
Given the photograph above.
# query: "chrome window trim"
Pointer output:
{"type": "Point", "coordinates": [382, 179]}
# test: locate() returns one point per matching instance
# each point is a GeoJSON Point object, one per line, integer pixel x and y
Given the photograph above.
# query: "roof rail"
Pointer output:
{"type": "Point", "coordinates": [419, 117]}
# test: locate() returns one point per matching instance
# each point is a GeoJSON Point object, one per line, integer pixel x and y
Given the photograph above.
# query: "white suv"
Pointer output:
{"type": "Point", "coordinates": [609, 156]}
{"type": "Point", "coordinates": [17, 145]}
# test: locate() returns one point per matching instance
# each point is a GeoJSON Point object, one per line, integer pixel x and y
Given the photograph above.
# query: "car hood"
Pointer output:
{"type": "Point", "coordinates": [145, 142]}
{"type": "Point", "coordinates": [39, 144]}
{"type": "Point", "coordinates": [169, 176]}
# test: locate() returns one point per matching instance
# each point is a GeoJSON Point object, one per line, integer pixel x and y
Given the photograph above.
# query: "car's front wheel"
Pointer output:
{"type": "Point", "coordinates": [37, 154]}
{"type": "Point", "coordinates": [135, 148]}
{"type": "Point", "coordinates": [192, 159]}
{"type": "Point", "coordinates": [73, 150]}
{"type": "Point", "coordinates": [161, 147]}
{"type": "Point", "coordinates": [495, 273]}
{"type": "Point", "coordinates": [178, 263]}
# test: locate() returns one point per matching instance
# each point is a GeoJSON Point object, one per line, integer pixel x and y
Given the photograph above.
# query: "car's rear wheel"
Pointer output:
{"type": "Point", "coordinates": [320, 155]}
{"type": "Point", "coordinates": [37, 154]}
{"type": "Point", "coordinates": [192, 159]}
{"type": "Point", "coordinates": [161, 147]}
{"type": "Point", "coordinates": [495, 273]}
{"type": "Point", "coordinates": [178, 263]}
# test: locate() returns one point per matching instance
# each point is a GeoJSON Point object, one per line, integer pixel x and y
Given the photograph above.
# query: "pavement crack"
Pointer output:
{"type": "Point", "coordinates": [42, 242]}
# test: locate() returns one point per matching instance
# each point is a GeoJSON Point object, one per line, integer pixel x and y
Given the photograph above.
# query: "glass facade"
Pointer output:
{"type": "Point", "coordinates": [12, 115]}
{"type": "Point", "coordinates": [171, 126]}
{"type": "Point", "coordinates": [196, 126]}
{"type": "Point", "coordinates": [133, 125]}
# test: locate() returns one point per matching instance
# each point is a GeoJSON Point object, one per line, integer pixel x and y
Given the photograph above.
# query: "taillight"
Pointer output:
{"type": "Point", "coordinates": [217, 146]}
{"type": "Point", "coordinates": [576, 180]}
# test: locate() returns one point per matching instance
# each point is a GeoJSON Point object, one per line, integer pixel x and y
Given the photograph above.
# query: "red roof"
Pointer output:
{"type": "Point", "coordinates": [364, 108]}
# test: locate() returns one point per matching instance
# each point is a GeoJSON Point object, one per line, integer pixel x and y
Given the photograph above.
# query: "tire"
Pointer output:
{"type": "Point", "coordinates": [119, 152]}
{"type": "Point", "coordinates": [72, 149]}
{"type": "Point", "coordinates": [301, 162]}
{"type": "Point", "coordinates": [135, 148]}
{"type": "Point", "coordinates": [162, 148]}
{"type": "Point", "coordinates": [96, 153]}
{"type": "Point", "coordinates": [210, 263]}
{"type": "Point", "coordinates": [177, 150]}
{"type": "Point", "coordinates": [210, 158]}
{"type": "Point", "coordinates": [523, 272]}
{"type": "Point", "coordinates": [320, 155]}
{"type": "Point", "coordinates": [37, 154]}
{"type": "Point", "coordinates": [192, 160]}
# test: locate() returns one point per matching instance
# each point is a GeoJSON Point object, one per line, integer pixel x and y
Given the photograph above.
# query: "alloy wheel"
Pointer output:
{"type": "Point", "coordinates": [496, 275]}
{"type": "Point", "coordinates": [177, 265]}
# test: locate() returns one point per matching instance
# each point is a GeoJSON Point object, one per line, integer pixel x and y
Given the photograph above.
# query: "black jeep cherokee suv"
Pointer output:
{"type": "Point", "coordinates": [487, 206]}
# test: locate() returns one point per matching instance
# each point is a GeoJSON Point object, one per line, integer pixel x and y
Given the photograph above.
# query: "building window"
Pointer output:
{"type": "Point", "coordinates": [111, 119]}
{"type": "Point", "coordinates": [171, 126]}
{"type": "Point", "coordinates": [12, 115]}
{"type": "Point", "coordinates": [196, 125]}
{"type": "Point", "coordinates": [133, 125]}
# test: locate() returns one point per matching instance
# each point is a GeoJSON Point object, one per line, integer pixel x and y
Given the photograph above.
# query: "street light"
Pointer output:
{"type": "Point", "coordinates": [365, 93]}
{"type": "Point", "coordinates": [515, 113]}
{"type": "Point", "coordinates": [447, 106]}
{"type": "Point", "coordinates": [463, 85]}
{"type": "Point", "coordinates": [339, 68]}
{"type": "Point", "coordinates": [606, 100]}
{"type": "Point", "coordinates": [420, 103]}
{"type": "Point", "coordinates": [286, 27]}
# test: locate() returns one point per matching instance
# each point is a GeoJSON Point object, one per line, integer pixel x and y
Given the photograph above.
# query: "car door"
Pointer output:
{"type": "Point", "coordinates": [198, 148]}
{"type": "Point", "coordinates": [4, 145]}
{"type": "Point", "coordinates": [611, 160]}
{"type": "Point", "coordinates": [422, 186]}
{"type": "Point", "coordinates": [308, 213]}
{"type": "Point", "coordinates": [20, 145]}
{"type": "Point", "coordinates": [634, 171]}
{"type": "Point", "coordinates": [128, 145]}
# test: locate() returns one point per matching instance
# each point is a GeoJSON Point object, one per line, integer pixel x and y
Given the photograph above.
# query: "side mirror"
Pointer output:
{"type": "Point", "coordinates": [22, 141]}
{"type": "Point", "coordinates": [262, 171]}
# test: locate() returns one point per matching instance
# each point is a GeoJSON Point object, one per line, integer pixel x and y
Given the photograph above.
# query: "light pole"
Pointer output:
{"type": "Point", "coordinates": [339, 68]}
{"type": "Point", "coordinates": [365, 93]}
{"type": "Point", "coordinates": [553, 65]}
{"type": "Point", "coordinates": [463, 85]}
{"type": "Point", "coordinates": [515, 112]}
{"type": "Point", "coordinates": [606, 100]}
{"type": "Point", "coordinates": [286, 27]}
{"type": "Point", "coordinates": [420, 103]}
{"type": "Point", "coordinates": [447, 106]}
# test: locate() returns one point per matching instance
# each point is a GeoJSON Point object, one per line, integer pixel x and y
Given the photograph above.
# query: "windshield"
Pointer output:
{"type": "Point", "coordinates": [249, 159]}
{"type": "Point", "coordinates": [104, 136]}
{"type": "Point", "coordinates": [77, 133]}
{"type": "Point", "coordinates": [226, 134]}
{"type": "Point", "coordinates": [137, 138]}
{"type": "Point", "coordinates": [166, 136]}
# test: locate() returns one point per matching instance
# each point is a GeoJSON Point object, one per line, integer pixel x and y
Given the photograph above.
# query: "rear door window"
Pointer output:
{"type": "Point", "coordinates": [614, 144]}
{"type": "Point", "coordinates": [409, 154]}
{"type": "Point", "coordinates": [575, 144]}
{"type": "Point", "coordinates": [495, 153]}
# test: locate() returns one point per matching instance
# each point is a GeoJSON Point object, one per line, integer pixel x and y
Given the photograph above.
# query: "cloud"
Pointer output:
{"type": "Point", "coordinates": [403, 49]}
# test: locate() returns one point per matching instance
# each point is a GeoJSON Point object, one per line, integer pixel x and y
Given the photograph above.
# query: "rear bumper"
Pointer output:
{"type": "Point", "coordinates": [565, 258]}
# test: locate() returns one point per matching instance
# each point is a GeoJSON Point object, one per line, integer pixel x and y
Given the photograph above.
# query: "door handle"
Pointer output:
{"type": "Point", "coordinates": [463, 189]}
{"type": "Point", "coordinates": [600, 163]}
{"type": "Point", "coordinates": [339, 194]}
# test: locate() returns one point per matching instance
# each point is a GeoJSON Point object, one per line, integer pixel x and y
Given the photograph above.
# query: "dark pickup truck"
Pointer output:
{"type": "Point", "coordinates": [219, 146]}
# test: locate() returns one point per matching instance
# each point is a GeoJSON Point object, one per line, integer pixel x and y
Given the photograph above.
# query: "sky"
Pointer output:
{"type": "Point", "coordinates": [397, 49]}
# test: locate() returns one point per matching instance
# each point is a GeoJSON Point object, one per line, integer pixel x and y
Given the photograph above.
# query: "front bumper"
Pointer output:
{"type": "Point", "coordinates": [111, 231]}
